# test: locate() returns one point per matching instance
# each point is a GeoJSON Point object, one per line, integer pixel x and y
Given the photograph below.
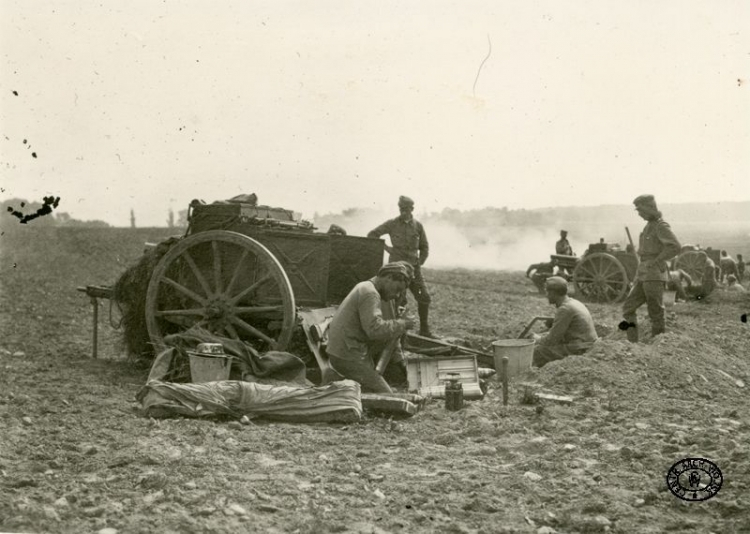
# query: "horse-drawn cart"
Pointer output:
{"type": "Point", "coordinates": [242, 271]}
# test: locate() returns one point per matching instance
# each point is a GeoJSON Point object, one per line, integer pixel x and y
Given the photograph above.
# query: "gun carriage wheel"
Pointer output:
{"type": "Point", "coordinates": [600, 277]}
{"type": "Point", "coordinates": [225, 282]}
{"type": "Point", "coordinates": [692, 263]}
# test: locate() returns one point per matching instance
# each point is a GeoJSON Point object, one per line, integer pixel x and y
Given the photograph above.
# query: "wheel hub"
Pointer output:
{"type": "Point", "coordinates": [216, 309]}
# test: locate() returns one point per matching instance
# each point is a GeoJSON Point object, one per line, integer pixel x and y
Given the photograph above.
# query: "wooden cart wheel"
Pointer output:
{"type": "Point", "coordinates": [693, 263]}
{"type": "Point", "coordinates": [600, 277]}
{"type": "Point", "coordinates": [225, 282]}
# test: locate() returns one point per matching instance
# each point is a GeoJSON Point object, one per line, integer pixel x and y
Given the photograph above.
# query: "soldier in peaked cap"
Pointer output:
{"type": "Point", "coordinates": [359, 330]}
{"type": "Point", "coordinates": [563, 245]}
{"type": "Point", "coordinates": [656, 246]}
{"type": "Point", "coordinates": [409, 244]}
{"type": "Point", "coordinates": [572, 329]}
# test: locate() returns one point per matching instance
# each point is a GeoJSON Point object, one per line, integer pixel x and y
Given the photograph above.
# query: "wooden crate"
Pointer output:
{"type": "Point", "coordinates": [427, 375]}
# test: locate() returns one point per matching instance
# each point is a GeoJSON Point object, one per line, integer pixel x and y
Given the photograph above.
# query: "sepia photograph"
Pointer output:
{"type": "Point", "coordinates": [374, 267]}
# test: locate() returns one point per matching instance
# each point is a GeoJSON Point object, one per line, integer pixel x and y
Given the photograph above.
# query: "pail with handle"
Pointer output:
{"type": "Point", "coordinates": [209, 363]}
{"type": "Point", "coordinates": [520, 353]}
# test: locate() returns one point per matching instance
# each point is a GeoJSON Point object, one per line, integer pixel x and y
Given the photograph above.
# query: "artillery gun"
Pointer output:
{"type": "Point", "coordinates": [692, 262]}
{"type": "Point", "coordinates": [603, 274]}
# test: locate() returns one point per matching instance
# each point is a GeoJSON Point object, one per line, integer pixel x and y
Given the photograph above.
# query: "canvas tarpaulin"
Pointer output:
{"type": "Point", "coordinates": [249, 365]}
{"type": "Point", "coordinates": [338, 401]}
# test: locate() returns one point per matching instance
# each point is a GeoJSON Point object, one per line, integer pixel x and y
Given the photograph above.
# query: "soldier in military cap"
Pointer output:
{"type": "Point", "coordinates": [359, 328]}
{"type": "Point", "coordinates": [409, 244]}
{"type": "Point", "coordinates": [563, 245]}
{"type": "Point", "coordinates": [572, 331]}
{"type": "Point", "coordinates": [656, 246]}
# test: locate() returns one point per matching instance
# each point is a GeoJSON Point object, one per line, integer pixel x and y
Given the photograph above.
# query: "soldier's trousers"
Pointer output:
{"type": "Point", "coordinates": [651, 293]}
{"type": "Point", "coordinates": [418, 288]}
{"type": "Point", "coordinates": [361, 371]}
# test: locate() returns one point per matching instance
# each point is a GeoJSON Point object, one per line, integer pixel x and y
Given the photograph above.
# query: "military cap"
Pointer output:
{"type": "Point", "coordinates": [409, 268]}
{"type": "Point", "coordinates": [556, 283]}
{"type": "Point", "coordinates": [564, 232]}
{"type": "Point", "coordinates": [395, 267]}
{"type": "Point", "coordinates": [405, 202]}
{"type": "Point", "coordinates": [645, 200]}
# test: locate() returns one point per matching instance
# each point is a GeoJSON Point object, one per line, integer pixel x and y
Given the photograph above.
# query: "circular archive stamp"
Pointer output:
{"type": "Point", "coordinates": [694, 479]}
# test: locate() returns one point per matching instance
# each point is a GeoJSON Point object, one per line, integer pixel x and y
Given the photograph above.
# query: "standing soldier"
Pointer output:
{"type": "Point", "coordinates": [409, 244]}
{"type": "Point", "coordinates": [656, 245]}
{"type": "Point", "coordinates": [563, 246]}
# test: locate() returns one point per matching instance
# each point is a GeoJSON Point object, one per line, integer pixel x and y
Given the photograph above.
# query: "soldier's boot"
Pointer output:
{"type": "Point", "coordinates": [657, 329]}
{"type": "Point", "coordinates": [424, 311]}
{"type": "Point", "coordinates": [632, 333]}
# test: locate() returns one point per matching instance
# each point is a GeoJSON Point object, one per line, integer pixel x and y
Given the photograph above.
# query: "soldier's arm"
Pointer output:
{"type": "Point", "coordinates": [424, 246]}
{"type": "Point", "coordinates": [380, 230]}
{"type": "Point", "coordinates": [371, 319]}
{"type": "Point", "coordinates": [671, 246]}
{"type": "Point", "coordinates": [562, 321]}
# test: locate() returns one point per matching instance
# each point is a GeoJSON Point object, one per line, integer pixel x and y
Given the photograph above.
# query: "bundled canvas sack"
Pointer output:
{"type": "Point", "coordinates": [335, 402]}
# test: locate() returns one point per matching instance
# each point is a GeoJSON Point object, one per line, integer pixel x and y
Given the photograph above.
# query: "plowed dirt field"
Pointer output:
{"type": "Point", "coordinates": [77, 456]}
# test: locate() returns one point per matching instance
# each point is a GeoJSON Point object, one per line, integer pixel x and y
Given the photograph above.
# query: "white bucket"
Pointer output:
{"type": "Point", "coordinates": [520, 353]}
{"type": "Point", "coordinates": [669, 298]}
{"type": "Point", "coordinates": [207, 368]}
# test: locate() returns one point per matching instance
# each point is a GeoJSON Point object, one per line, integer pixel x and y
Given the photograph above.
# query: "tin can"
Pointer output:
{"type": "Point", "coordinates": [454, 393]}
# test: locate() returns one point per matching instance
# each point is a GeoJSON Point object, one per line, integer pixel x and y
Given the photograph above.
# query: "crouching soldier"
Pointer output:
{"type": "Point", "coordinates": [358, 328]}
{"type": "Point", "coordinates": [572, 329]}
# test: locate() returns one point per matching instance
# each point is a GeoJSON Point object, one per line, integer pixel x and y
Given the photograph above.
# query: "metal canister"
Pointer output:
{"type": "Point", "coordinates": [454, 393]}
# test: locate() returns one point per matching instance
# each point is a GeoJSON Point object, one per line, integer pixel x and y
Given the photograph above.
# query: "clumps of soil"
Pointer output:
{"type": "Point", "coordinates": [671, 365]}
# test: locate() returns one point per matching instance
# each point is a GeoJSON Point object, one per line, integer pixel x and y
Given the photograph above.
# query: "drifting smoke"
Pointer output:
{"type": "Point", "coordinates": [505, 248]}
{"type": "Point", "coordinates": [501, 248]}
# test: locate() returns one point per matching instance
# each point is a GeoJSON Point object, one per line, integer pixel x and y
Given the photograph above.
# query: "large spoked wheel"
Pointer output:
{"type": "Point", "coordinates": [225, 282]}
{"type": "Point", "coordinates": [600, 277]}
{"type": "Point", "coordinates": [693, 263]}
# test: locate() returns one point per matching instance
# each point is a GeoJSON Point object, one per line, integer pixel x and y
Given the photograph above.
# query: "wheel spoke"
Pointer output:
{"type": "Point", "coordinates": [217, 266]}
{"type": "Point", "coordinates": [197, 273]}
{"type": "Point", "coordinates": [185, 291]}
{"type": "Point", "coordinates": [236, 272]}
{"type": "Point", "coordinates": [189, 311]}
{"type": "Point", "coordinates": [234, 300]}
{"type": "Point", "coordinates": [608, 268]}
{"type": "Point", "coordinates": [257, 309]}
{"type": "Point", "coordinates": [253, 331]}
{"type": "Point", "coordinates": [232, 331]}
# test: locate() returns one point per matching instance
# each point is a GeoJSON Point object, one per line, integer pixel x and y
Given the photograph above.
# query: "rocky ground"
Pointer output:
{"type": "Point", "coordinates": [76, 455]}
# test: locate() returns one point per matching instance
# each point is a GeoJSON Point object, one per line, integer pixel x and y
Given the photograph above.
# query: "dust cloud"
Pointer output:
{"type": "Point", "coordinates": [511, 248]}
{"type": "Point", "coordinates": [502, 248]}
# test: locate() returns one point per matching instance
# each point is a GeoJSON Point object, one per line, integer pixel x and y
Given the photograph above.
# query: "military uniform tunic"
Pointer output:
{"type": "Point", "coordinates": [656, 246]}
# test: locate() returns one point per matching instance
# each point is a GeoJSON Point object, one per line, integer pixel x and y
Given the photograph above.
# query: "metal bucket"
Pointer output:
{"type": "Point", "coordinates": [208, 368]}
{"type": "Point", "coordinates": [669, 298]}
{"type": "Point", "coordinates": [520, 353]}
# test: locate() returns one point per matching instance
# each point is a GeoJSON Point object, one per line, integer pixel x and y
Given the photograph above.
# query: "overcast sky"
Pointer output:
{"type": "Point", "coordinates": [326, 105]}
